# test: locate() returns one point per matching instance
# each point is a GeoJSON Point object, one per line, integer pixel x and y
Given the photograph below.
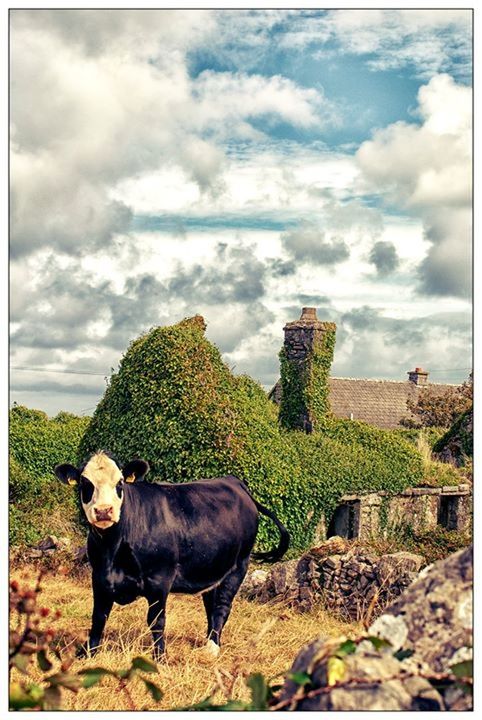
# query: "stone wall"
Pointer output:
{"type": "Point", "coordinates": [374, 514]}
{"type": "Point", "coordinates": [351, 582]}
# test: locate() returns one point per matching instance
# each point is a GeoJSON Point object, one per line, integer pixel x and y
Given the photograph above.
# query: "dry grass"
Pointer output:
{"type": "Point", "coordinates": [257, 638]}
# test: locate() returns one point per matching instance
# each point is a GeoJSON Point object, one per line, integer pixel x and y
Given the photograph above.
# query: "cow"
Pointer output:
{"type": "Point", "coordinates": [147, 539]}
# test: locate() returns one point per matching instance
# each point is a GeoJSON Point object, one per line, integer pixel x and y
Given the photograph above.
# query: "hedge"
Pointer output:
{"type": "Point", "coordinates": [39, 504]}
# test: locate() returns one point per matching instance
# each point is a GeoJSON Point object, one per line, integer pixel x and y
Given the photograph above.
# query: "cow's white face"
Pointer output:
{"type": "Point", "coordinates": [101, 484]}
{"type": "Point", "coordinates": [101, 491]}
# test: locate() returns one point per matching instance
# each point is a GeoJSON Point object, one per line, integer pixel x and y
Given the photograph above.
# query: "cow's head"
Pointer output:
{"type": "Point", "coordinates": [101, 482]}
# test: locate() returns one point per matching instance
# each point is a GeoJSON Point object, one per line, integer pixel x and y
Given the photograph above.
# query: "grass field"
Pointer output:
{"type": "Point", "coordinates": [257, 638]}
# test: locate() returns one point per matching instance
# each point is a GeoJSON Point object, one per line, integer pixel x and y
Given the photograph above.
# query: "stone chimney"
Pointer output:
{"type": "Point", "coordinates": [306, 357]}
{"type": "Point", "coordinates": [418, 376]}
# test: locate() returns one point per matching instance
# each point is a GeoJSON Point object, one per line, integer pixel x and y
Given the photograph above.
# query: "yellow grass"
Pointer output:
{"type": "Point", "coordinates": [257, 638]}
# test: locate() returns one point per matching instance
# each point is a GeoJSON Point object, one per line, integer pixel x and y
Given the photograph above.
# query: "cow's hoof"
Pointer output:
{"type": "Point", "coordinates": [212, 649]}
{"type": "Point", "coordinates": [82, 651]}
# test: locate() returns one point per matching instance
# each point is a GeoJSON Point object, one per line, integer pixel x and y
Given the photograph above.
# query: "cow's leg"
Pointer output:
{"type": "Point", "coordinates": [156, 619]}
{"type": "Point", "coordinates": [222, 602]}
{"type": "Point", "coordinates": [208, 600]}
{"type": "Point", "coordinates": [102, 606]}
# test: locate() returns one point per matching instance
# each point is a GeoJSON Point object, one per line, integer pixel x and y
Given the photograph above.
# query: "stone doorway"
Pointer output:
{"type": "Point", "coordinates": [448, 512]}
{"type": "Point", "coordinates": [345, 521]}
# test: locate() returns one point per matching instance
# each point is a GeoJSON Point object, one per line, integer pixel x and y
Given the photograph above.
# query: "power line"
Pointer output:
{"type": "Point", "coordinates": [432, 372]}
{"type": "Point", "coordinates": [68, 372]}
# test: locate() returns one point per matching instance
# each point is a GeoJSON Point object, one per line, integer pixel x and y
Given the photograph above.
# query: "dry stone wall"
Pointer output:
{"type": "Point", "coordinates": [349, 580]}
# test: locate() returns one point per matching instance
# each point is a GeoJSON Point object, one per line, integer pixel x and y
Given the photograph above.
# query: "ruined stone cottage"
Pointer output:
{"type": "Point", "coordinates": [306, 392]}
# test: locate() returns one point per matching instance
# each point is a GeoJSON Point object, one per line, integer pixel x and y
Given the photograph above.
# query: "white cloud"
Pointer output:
{"type": "Point", "coordinates": [89, 111]}
{"type": "Point", "coordinates": [429, 41]}
{"type": "Point", "coordinates": [428, 168]}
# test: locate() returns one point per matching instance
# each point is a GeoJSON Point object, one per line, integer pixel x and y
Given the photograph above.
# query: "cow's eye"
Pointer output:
{"type": "Point", "coordinates": [119, 488]}
{"type": "Point", "coordinates": [86, 490]}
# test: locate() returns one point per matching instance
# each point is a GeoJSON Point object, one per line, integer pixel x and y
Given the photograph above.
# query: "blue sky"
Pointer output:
{"type": "Point", "coordinates": [238, 164]}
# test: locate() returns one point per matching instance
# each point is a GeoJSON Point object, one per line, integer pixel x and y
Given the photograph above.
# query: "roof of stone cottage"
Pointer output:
{"type": "Point", "coordinates": [379, 402]}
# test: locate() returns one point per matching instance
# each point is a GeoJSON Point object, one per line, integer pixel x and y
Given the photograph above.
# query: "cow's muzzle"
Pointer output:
{"type": "Point", "coordinates": [104, 514]}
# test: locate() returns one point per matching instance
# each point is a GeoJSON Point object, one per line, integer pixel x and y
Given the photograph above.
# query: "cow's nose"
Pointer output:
{"type": "Point", "coordinates": [103, 513]}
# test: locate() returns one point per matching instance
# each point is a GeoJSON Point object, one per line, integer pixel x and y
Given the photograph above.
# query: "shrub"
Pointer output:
{"type": "Point", "coordinates": [459, 437]}
{"type": "Point", "coordinates": [433, 408]}
{"type": "Point", "coordinates": [429, 434]}
{"type": "Point", "coordinates": [175, 402]}
{"type": "Point", "coordinates": [39, 504]}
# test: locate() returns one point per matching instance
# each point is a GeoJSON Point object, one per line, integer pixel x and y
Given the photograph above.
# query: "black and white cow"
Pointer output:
{"type": "Point", "coordinates": [150, 539]}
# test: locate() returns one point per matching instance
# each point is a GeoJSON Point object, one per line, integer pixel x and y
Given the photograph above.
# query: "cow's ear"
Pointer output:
{"type": "Point", "coordinates": [68, 474]}
{"type": "Point", "coordinates": [134, 470]}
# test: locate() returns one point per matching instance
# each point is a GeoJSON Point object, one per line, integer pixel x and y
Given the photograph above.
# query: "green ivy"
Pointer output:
{"type": "Point", "coordinates": [459, 432]}
{"type": "Point", "coordinates": [305, 387]}
{"type": "Point", "coordinates": [38, 503]}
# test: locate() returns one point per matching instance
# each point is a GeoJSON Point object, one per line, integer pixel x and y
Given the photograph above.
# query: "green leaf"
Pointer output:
{"type": "Point", "coordinates": [154, 690]}
{"type": "Point", "coordinates": [259, 691]}
{"type": "Point", "coordinates": [402, 654]}
{"type": "Point", "coordinates": [98, 671]}
{"type": "Point", "coordinates": [43, 661]}
{"type": "Point", "coordinates": [464, 669]}
{"type": "Point", "coordinates": [346, 648]}
{"type": "Point", "coordinates": [379, 642]}
{"type": "Point", "coordinates": [24, 697]}
{"type": "Point", "coordinates": [300, 678]}
{"type": "Point", "coordinates": [141, 663]}
{"type": "Point", "coordinates": [66, 680]}
{"type": "Point", "coordinates": [93, 676]}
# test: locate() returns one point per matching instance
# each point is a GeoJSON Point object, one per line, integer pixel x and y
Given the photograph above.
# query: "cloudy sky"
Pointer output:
{"type": "Point", "coordinates": [239, 164]}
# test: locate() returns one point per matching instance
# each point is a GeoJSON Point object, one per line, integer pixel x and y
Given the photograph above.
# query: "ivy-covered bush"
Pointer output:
{"type": "Point", "coordinates": [174, 402]}
{"type": "Point", "coordinates": [38, 503]}
{"type": "Point", "coordinates": [459, 438]}
{"type": "Point", "coordinates": [428, 434]}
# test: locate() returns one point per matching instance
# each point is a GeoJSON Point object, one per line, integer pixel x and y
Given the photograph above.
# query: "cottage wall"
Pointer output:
{"type": "Point", "coordinates": [374, 514]}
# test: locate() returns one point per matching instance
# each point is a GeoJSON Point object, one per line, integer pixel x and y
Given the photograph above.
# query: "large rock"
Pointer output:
{"type": "Point", "coordinates": [371, 680]}
{"type": "Point", "coordinates": [429, 628]}
{"type": "Point", "coordinates": [436, 615]}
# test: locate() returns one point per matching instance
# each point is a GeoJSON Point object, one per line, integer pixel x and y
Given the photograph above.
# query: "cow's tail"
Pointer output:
{"type": "Point", "coordinates": [277, 552]}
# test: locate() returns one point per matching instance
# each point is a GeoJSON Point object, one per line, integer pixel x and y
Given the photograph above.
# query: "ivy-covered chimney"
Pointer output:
{"type": "Point", "coordinates": [306, 358]}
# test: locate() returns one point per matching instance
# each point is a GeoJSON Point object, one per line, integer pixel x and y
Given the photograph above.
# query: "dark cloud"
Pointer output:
{"type": "Point", "coordinates": [447, 268]}
{"type": "Point", "coordinates": [70, 310]}
{"type": "Point", "coordinates": [308, 243]}
{"type": "Point", "coordinates": [282, 268]}
{"type": "Point", "coordinates": [384, 256]}
{"type": "Point", "coordinates": [361, 318]}
{"type": "Point", "coordinates": [236, 276]}
{"type": "Point", "coordinates": [372, 344]}
{"type": "Point", "coordinates": [314, 300]}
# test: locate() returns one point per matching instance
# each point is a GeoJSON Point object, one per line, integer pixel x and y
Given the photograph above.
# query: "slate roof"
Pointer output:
{"type": "Point", "coordinates": [379, 402]}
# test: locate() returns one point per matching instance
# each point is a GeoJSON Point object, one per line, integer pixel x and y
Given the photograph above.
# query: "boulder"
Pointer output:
{"type": "Point", "coordinates": [369, 679]}
{"type": "Point", "coordinates": [436, 612]}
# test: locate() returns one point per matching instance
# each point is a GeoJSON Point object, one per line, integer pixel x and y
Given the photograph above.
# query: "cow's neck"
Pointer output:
{"type": "Point", "coordinates": [107, 540]}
